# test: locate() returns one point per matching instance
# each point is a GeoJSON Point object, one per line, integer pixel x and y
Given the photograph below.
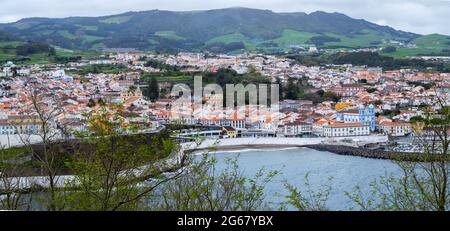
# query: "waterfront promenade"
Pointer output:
{"type": "Point", "coordinates": [239, 143]}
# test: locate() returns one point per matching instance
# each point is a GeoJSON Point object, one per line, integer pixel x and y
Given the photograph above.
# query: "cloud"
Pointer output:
{"type": "Point", "coordinates": [419, 16]}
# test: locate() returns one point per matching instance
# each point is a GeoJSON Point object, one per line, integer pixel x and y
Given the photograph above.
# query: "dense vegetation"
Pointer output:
{"type": "Point", "coordinates": [102, 68]}
{"type": "Point", "coordinates": [152, 91]}
{"type": "Point", "coordinates": [5, 37]}
{"type": "Point", "coordinates": [13, 48]}
{"type": "Point", "coordinates": [297, 89]}
{"type": "Point", "coordinates": [34, 48]}
{"type": "Point", "coordinates": [371, 59]}
{"type": "Point", "coordinates": [160, 65]}
{"type": "Point", "coordinates": [388, 63]}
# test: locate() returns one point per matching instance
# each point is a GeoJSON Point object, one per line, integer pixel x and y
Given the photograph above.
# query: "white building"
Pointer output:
{"type": "Point", "coordinates": [395, 128]}
{"type": "Point", "coordinates": [317, 127]}
{"type": "Point", "coordinates": [296, 128]}
{"type": "Point", "coordinates": [6, 128]}
{"type": "Point", "coordinates": [346, 129]}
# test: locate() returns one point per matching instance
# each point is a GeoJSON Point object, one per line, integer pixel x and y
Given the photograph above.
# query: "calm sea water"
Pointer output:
{"type": "Point", "coordinates": [347, 171]}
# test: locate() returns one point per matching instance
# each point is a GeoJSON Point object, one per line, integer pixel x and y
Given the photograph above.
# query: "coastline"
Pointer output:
{"type": "Point", "coordinates": [335, 149]}
{"type": "Point", "coordinates": [345, 150]}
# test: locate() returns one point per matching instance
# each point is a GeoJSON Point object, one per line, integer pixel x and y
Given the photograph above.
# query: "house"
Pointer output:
{"type": "Point", "coordinates": [347, 90]}
{"type": "Point", "coordinates": [294, 104]}
{"type": "Point", "coordinates": [296, 128]}
{"type": "Point", "coordinates": [235, 123]}
{"type": "Point", "coordinates": [20, 124]}
{"type": "Point", "coordinates": [6, 128]}
{"type": "Point", "coordinates": [136, 101]}
{"type": "Point", "coordinates": [395, 128]}
{"type": "Point", "coordinates": [317, 127]}
{"type": "Point", "coordinates": [257, 133]}
{"type": "Point", "coordinates": [230, 131]}
{"type": "Point", "coordinates": [346, 129]}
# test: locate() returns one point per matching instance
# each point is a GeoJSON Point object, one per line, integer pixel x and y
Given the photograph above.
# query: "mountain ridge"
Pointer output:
{"type": "Point", "coordinates": [220, 30]}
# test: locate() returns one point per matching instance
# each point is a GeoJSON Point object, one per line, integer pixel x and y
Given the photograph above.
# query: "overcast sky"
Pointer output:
{"type": "Point", "coordinates": [419, 16]}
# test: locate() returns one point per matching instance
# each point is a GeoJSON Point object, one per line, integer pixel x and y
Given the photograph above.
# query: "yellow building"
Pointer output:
{"type": "Point", "coordinates": [230, 131]}
{"type": "Point", "coordinates": [340, 106]}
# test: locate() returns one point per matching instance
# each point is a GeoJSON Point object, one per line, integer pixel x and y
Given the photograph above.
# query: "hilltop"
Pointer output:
{"type": "Point", "coordinates": [221, 30]}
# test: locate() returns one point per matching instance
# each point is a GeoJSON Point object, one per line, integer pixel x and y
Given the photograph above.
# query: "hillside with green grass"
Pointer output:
{"type": "Point", "coordinates": [433, 44]}
{"type": "Point", "coordinates": [222, 30]}
{"type": "Point", "coordinates": [13, 48]}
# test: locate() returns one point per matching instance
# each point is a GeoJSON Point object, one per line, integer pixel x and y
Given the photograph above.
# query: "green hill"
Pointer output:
{"type": "Point", "coordinates": [13, 48]}
{"type": "Point", "coordinates": [231, 28]}
{"type": "Point", "coordinates": [433, 44]}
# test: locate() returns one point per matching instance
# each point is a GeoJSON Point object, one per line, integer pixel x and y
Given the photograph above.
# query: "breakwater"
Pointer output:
{"type": "Point", "coordinates": [375, 153]}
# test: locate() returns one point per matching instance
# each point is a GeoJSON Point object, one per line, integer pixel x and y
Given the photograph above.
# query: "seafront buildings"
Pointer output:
{"type": "Point", "coordinates": [371, 100]}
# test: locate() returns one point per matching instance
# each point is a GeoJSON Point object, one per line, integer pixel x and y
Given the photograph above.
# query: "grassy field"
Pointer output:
{"type": "Point", "coordinates": [116, 20]}
{"type": "Point", "coordinates": [6, 57]}
{"type": "Point", "coordinates": [427, 44]}
{"type": "Point", "coordinates": [90, 28]}
{"type": "Point", "coordinates": [166, 77]}
{"type": "Point", "coordinates": [8, 53]}
{"type": "Point", "coordinates": [7, 50]}
{"type": "Point", "coordinates": [364, 39]}
{"type": "Point", "coordinates": [433, 41]}
{"type": "Point", "coordinates": [230, 38]}
{"type": "Point", "coordinates": [292, 37]}
{"type": "Point", "coordinates": [91, 38]}
{"type": "Point", "coordinates": [83, 54]}
{"type": "Point", "coordinates": [37, 59]}
{"type": "Point", "coordinates": [10, 44]}
{"type": "Point", "coordinates": [173, 78]}
{"type": "Point", "coordinates": [169, 35]}
{"type": "Point", "coordinates": [405, 52]}
{"type": "Point", "coordinates": [67, 34]}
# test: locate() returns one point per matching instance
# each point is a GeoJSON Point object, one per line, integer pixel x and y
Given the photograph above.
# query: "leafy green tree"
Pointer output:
{"type": "Point", "coordinates": [152, 91]}
{"type": "Point", "coordinates": [118, 172]}
{"type": "Point", "coordinates": [307, 199]}
{"type": "Point", "coordinates": [424, 183]}
{"type": "Point", "coordinates": [331, 96]}
{"type": "Point", "coordinates": [91, 103]}
{"type": "Point", "coordinates": [13, 196]}
{"type": "Point", "coordinates": [292, 89]}
{"type": "Point", "coordinates": [372, 90]}
{"type": "Point", "coordinates": [205, 188]}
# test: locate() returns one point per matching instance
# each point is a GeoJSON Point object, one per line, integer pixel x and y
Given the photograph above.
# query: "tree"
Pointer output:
{"type": "Point", "coordinates": [12, 194]}
{"type": "Point", "coordinates": [204, 188]}
{"type": "Point", "coordinates": [47, 155]}
{"type": "Point", "coordinates": [307, 199]}
{"type": "Point", "coordinates": [117, 171]}
{"type": "Point", "coordinates": [389, 49]}
{"type": "Point", "coordinates": [331, 96]}
{"type": "Point", "coordinates": [152, 91]}
{"type": "Point", "coordinates": [292, 89]}
{"type": "Point", "coordinates": [91, 103]}
{"type": "Point", "coordinates": [101, 102]}
{"type": "Point", "coordinates": [372, 90]}
{"type": "Point", "coordinates": [424, 183]}
{"type": "Point", "coordinates": [320, 92]}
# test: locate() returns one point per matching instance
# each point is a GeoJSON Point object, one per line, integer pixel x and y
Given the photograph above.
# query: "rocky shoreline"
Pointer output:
{"type": "Point", "coordinates": [352, 151]}
{"type": "Point", "coordinates": [336, 149]}
{"type": "Point", "coordinates": [372, 153]}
